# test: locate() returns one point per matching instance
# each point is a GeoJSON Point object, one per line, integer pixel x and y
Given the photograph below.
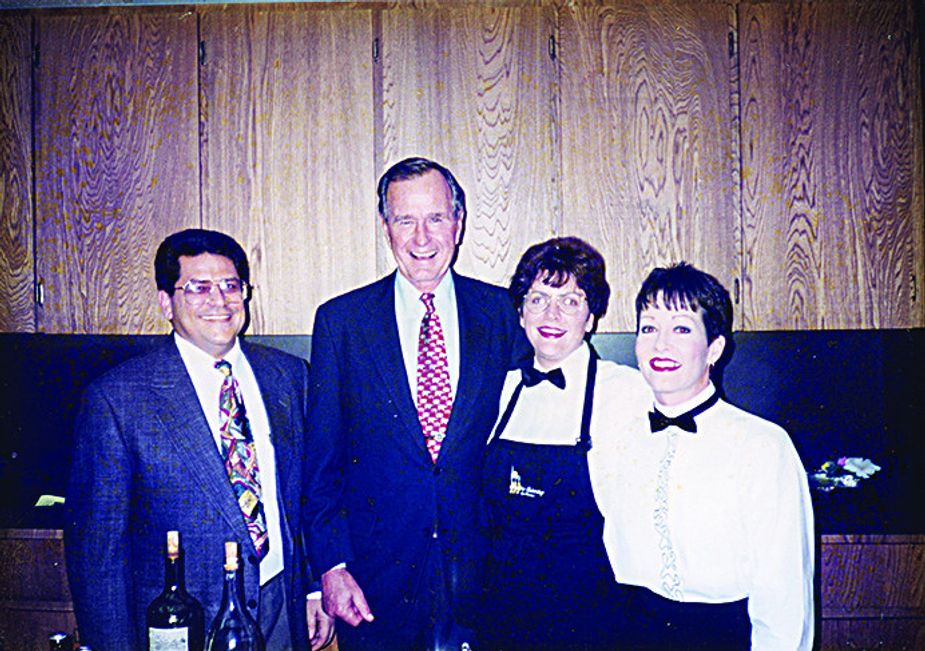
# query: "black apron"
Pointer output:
{"type": "Point", "coordinates": [550, 584]}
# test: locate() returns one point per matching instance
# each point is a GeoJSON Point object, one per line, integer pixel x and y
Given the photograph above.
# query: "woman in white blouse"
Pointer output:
{"type": "Point", "coordinates": [706, 506]}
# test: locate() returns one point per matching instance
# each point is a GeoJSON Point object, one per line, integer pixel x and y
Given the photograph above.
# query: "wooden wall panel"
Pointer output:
{"type": "Point", "coordinates": [117, 162]}
{"type": "Point", "coordinates": [649, 140]}
{"type": "Point", "coordinates": [872, 592]}
{"type": "Point", "coordinates": [475, 88]}
{"type": "Point", "coordinates": [287, 153]}
{"type": "Point", "coordinates": [892, 634]}
{"type": "Point", "coordinates": [860, 576]}
{"type": "Point", "coordinates": [832, 180]}
{"type": "Point", "coordinates": [17, 308]}
{"type": "Point", "coordinates": [34, 597]}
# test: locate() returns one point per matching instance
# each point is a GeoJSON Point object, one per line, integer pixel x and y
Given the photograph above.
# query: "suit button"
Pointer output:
{"type": "Point", "coordinates": [252, 603]}
{"type": "Point", "coordinates": [436, 470]}
{"type": "Point", "coordinates": [355, 460]}
{"type": "Point", "coordinates": [252, 559]}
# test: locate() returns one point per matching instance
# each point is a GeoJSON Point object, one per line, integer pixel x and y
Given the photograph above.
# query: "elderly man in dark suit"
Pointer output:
{"type": "Point", "coordinates": [163, 442]}
{"type": "Point", "coordinates": [406, 374]}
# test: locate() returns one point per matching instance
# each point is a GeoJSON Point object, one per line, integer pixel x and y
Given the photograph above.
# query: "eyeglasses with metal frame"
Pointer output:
{"type": "Point", "coordinates": [233, 290]}
{"type": "Point", "coordinates": [538, 302]}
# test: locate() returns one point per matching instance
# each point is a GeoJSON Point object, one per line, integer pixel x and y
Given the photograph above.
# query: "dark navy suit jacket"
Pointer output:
{"type": "Point", "coordinates": [145, 462]}
{"type": "Point", "coordinates": [374, 497]}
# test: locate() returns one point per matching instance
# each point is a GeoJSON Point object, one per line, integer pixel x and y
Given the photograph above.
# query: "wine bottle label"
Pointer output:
{"type": "Point", "coordinates": [168, 639]}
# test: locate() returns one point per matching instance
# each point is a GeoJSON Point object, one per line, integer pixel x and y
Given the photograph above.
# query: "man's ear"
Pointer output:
{"type": "Point", "coordinates": [384, 226]}
{"type": "Point", "coordinates": [166, 303]}
{"type": "Point", "coordinates": [461, 219]}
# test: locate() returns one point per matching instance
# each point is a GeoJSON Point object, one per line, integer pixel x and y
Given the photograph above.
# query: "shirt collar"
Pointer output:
{"type": "Point", "coordinates": [575, 366]}
{"type": "Point", "coordinates": [687, 405]}
{"type": "Point", "coordinates": [409, 297]}
{"type": "Point", "coordinates": [196, 357]}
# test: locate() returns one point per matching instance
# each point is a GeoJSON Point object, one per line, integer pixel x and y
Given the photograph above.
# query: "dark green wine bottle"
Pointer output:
{"type": "Point", "coordinates": [174, 619]}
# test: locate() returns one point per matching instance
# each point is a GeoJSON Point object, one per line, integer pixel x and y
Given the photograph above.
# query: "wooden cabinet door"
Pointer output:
{"type": "Point", "coordinates": [832, 165]}
{"type": "Point", "coordinates": [35, 600]}
{"type": "Point", "coordinates": [17, 306]}
{"type": "Point", "coordinates": [649, 140]}
{"type": "Point", "coordinates": [117, 163]}
{"type": "Point", "coordinates": [287, 152]}
{"type": "Point", "coordinates": [475, 88]}
{"type": "Point", "coordinates": [872, 592]}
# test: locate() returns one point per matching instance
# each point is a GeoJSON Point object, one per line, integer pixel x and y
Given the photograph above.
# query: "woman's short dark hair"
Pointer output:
{"type": "Point", "coordinates": [190, 243]}
{"type": "Point", "coordinates": [683, 286]}
{"type": "Point", "coordinates": [553, 262]}
{"type": "Point", "coordinates": [414, 167]}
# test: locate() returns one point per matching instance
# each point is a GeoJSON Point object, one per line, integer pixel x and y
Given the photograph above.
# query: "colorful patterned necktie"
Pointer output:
{"type": "Point", "coordinates": [240, 457]}
{"type": "Point", "coordinates": [435, 394]}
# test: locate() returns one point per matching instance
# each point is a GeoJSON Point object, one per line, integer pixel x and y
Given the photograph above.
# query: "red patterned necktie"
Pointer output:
{"type": "Point", "coordinates": [240, 457]}
{"type": "Point", "coordinates": [435, 394]}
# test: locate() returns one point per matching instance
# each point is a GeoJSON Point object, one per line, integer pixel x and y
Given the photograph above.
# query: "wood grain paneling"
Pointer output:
{"type": "Point", "coordinates": [117, 162]}
{"type": "Point", "coordinates": [873, 576]}
{"type": "Point", "coordinates": [34, 597]}
{"type": "Point", "coordinates": [832, 181]}
{"type": "Point", "coordinates": [872, 592]}
{"type": "Point", "coordinates": [649, 149]}
{"type": "Point", "coordinates": [475, 88]}
{"type": "Point", "coordinates": [17, 308]}
{"type": "Point", "coordinates": [302, 107]}
{"type": "Point", "coordinates": [287, 153]}
{"type": "Point", "coordinates": [892, 634]}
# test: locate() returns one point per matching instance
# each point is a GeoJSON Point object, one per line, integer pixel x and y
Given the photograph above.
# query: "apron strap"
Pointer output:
{"type": "Point", "coordinates": [499, 428]}
{"type": "Point", "coordinates": [584, 440]}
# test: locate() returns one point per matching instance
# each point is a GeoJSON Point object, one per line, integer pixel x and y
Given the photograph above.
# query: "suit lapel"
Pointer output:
{"type": "Point", "coordinates": [285, 452]}
{"type": "Point", "coordinates": [379, 336]}
{"type": "Point", "coordinates": [474, 329]}
{"type": "Point", "coordinates": [268, 377]}
{"type": "Point", "coordinates": [187, 431]}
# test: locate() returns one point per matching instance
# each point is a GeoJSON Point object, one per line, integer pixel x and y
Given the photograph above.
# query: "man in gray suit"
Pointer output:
{"type": "Point", "coordinates": [203, 435]}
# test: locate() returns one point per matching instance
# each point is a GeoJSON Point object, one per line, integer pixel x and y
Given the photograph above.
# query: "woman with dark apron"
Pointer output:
{"type": "Point", "coordinates": [550, 583]}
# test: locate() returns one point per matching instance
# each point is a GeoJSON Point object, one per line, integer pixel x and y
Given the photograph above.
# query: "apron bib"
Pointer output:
{"type": "Point", "coordinates": [550, 584]}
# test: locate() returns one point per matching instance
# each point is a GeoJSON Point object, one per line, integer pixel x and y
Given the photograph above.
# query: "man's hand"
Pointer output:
{"type": "Point", "coordinates": [342, 597]}
{"type": "Point", "coordinates": [320, 624]}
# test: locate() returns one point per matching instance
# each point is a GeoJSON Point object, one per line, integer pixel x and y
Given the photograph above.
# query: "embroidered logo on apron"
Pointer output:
{"type": "Point", "coordinates": [517, 488]}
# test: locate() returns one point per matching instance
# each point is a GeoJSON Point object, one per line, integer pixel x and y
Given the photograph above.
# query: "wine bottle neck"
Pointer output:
{"type": "Point", "coordinates": [232, 590]}
{"type": "Point", "coordinates": [173, 574]}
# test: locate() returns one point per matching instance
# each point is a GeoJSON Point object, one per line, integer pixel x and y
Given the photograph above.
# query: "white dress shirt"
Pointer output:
{"type": "Point", "coordinates": [207, 380]}
{"type": "Point", "coordinates": [735, 520]}
{"type": "Point", "coordinates": [548, 415]}
{"type": "Point", "coordinates": [409, 312]}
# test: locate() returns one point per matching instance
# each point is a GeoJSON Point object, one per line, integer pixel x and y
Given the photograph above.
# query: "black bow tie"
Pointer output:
{"type": "Point", "coordinates": [533, 376]}
{"type": "Point", "coordinates": [659, 421]}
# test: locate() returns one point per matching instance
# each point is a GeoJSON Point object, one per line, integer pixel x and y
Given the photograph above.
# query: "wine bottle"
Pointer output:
{"type": "Point", "coordinates": [174, 619]}
{"type": "Point", "coordinates": [233, 626]}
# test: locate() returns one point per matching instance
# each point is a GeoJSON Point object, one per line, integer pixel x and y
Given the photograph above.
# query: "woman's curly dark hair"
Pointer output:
{"type": "Point", "coordinates": [553, 262]}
